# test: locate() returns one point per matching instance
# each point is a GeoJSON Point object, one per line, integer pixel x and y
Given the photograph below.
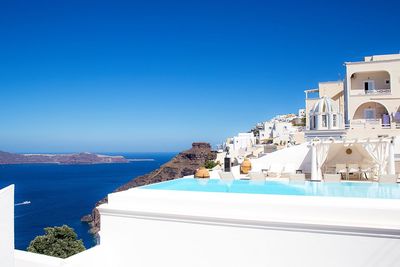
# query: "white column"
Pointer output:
{"type": "Point", "coordinates": [330, 121]}
{"type": "Point", "coordinates": [391, 164]}
{"type": "Point", "coordinates": [314, 167]}
{"type": "Point", "coordinates": [347, 87]}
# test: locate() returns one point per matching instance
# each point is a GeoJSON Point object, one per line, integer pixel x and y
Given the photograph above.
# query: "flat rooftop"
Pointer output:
{"type": "Point", "coordinates": [377, 58]}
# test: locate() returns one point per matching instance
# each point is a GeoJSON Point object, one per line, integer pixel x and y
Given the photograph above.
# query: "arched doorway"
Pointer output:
{"type": "Point", "coordinates": [396, 117]}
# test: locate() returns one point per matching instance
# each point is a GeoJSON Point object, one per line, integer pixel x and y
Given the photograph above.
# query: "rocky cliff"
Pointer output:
{"type": "Point", "coordinates": [185, 163]}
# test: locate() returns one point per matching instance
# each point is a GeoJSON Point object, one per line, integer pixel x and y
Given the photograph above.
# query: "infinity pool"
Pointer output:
{"type": "Point", "coordinates": [344, 189]}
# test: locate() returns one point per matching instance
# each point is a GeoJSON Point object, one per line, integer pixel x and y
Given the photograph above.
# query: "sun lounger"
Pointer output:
{"type": "Point", "coordinates": [275, 170]}
{"type": "Point", "coordinates": [332, 177]}
{"type": "Point", "coordinates": [257, 176]}
{"type": "Point", "coordinates": [388, 178]}
{"type": "Point", "coordinates": [297, 177]}
{"type": "Point", "coordinates": [288, 170]}
{"type": "Point", "coordinates": [227, 176]}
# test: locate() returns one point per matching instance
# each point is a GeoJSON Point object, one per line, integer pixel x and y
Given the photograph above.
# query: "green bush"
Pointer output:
{"type": "Point", "coordinates": [209, 164]}
{"type": "Point", "coordinates": [58, 242]}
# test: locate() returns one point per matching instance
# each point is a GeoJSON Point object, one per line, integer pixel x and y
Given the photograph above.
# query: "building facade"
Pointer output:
{"type": "Point", "coordinates": [367, 102]}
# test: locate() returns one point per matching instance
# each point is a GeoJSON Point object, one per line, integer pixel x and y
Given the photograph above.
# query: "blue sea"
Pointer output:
{"type": "Point", "coordinates": [62, 194]}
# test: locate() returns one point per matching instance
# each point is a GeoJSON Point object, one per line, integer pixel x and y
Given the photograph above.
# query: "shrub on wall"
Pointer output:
{"type": "Point", "coordinates": [58, 242]}
{"type": "Point", "coordinates": [209, 164]}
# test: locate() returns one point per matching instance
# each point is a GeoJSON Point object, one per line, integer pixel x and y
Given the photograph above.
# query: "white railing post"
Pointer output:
{"type": "Point", "coordinates": [391, 164]}
{"type": "Point", "coordinates": [314, 170]}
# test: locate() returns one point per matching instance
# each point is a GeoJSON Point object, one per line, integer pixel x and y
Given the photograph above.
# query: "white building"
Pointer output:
{"type": "Point", "coordinates": [242, 145]}
{"type": "Point", "coordinates": [302, 113]}
{"type": "Point", "coordinates": [365, 105]}
{"type": "Point", "coordinates": [243, 141]}
{"type": "Point", "coordinates": [277, 132]}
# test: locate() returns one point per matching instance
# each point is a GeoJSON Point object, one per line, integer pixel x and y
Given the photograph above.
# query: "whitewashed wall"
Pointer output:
{"type": "Point", "coordinates": [152, 243]}
{"type": "Point", "coordinates": [298, 156]}
{"type": "Point", "coordinates": [183, 229]}
{"type": "Point", "coordinates": [28, 259]}
{"type": "Point", "coordinates": [7, 226]}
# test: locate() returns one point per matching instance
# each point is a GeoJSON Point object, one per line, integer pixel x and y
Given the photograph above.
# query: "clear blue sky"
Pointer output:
{"type": "Point", "coordinates": [155, 76]}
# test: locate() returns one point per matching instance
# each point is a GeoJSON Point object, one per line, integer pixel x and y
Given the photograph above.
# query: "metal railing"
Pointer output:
{"type": "Point", "coordinates": [369, 123]}
{"type": "Point", "coordinates": [371, 92]}
{"type": "Point", "coordinates": [377, 91]}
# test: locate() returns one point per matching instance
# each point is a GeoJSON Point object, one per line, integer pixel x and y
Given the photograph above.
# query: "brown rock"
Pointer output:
{"type": "Point", "coordinates": [185, 163]}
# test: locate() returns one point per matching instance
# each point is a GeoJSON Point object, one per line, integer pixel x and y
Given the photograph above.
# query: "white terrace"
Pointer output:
{"type": "Point", "coordinates": [370, 157]}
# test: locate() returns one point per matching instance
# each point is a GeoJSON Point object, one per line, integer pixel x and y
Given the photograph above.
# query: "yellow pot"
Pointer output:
{"type": "Point", "coordinates": [202, 172]}
{"type": "Point", "coordinates": [245, 167]}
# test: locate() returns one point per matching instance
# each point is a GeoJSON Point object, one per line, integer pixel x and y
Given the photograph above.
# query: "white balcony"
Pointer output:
{"type": "Point", "coordinates": [362, 92]}
{"type": "Point", "coordinates": [370, 83]}
{"type": "Point", "coordinates": [368, 124]}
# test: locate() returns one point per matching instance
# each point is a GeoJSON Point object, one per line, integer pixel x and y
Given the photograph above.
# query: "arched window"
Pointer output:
{"type": "Point", "coordinates": [315, 121]}
{"type": "Point", "coordinates": [324, 121]}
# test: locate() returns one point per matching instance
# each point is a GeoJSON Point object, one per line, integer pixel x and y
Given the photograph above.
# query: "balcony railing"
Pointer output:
{"type": "Point", "coordinates": [377, 91]}
{"type": "Point", "coordinates": [370, 92]}
{"type": "Point", "coordinates": [369, 124]}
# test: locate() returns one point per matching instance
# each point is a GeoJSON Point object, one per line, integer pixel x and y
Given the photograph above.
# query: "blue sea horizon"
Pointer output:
{"type": "Point", "coordinates": [61, 194]}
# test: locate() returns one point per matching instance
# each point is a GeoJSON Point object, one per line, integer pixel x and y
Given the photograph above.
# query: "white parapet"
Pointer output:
{"type": "Point", "coordinates": [7, 226]}
{"type": "Point", "coordinates": [150, 228]}
{"type": "Point", "coordinates": [28, 259]}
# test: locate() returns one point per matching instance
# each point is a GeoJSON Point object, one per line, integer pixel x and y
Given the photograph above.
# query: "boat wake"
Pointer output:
{"type": "Point", "coordinates": [23, 203]}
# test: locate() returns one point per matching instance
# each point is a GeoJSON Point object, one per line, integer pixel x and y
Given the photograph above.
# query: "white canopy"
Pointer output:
{"type": "Point", "coordinates": [379, 151]}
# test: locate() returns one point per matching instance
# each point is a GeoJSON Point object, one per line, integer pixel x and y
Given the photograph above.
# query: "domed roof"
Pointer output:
{"type": "Point", "coordinates": [324, 104]}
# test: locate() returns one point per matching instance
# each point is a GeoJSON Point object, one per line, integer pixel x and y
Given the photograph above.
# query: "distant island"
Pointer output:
{"type": "Point", "coordinates": [78, 158]}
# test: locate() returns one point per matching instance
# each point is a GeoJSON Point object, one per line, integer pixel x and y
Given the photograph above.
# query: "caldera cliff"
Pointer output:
{"type": "Point", "coordinates": [183, 164]}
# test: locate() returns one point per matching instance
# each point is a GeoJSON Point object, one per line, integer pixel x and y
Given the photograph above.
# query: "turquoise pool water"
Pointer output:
{"type": "Point", "coordinates": [344, 189]}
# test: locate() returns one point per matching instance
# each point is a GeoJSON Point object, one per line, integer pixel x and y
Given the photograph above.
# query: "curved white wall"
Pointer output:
{"type": "Point", "coordinates": [150, 228]}
{"type": "Point", "coordinates": [7, 226]}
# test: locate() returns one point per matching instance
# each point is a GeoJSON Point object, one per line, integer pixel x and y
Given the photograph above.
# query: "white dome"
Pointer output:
{"type": "Point", "coordinates": [324, 105]}
{"type": "Point", "coordinates": [325, 116]}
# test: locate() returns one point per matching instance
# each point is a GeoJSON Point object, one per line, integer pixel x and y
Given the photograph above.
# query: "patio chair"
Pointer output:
{"type": "Point", "coordinates": [365, 169]}
{"type": "Point", "coordinates": [387, 178]}
{"type": "Point", "coordinates": [332, 177]}
{"type": "Point", "coordinates": [257, 176]}
{"type": "Point", "coordinates": [226, 176]}
{"type": "Point", "coordinates": [275, 170]}
{"type": "Point", "coordinates": [341, 169]}
{"type": "Point", "coordinates": [288, 170]}
{"type": "Point", "coordinates": [266, 169]}
{"type": "Point", "coordinates": [354, 168]}
{"type": "Point", "coordinates": [297, 177]}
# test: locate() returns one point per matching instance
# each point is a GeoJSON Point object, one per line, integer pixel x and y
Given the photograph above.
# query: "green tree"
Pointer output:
{"type": "Point", "coordinates": [57, 242]}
